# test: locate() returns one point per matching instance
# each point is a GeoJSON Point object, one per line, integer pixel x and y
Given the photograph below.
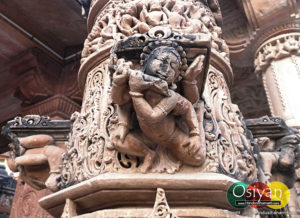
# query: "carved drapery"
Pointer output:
{"type": "Point", "coordinates": [277, 63]}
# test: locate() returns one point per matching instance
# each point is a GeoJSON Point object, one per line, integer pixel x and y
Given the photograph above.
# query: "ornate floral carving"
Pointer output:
{"type": "Point", "coordinates": [98, 143]}
{"type": "Point", "coordinates": [88, 148]}
{"type": "Point", "coordinates": [230, 149]}
{"type": "Point", "coordinates": [277, 48]}
{"type": "Point", "coordinates": [161, 208]}
{"type": "Point", "coordinates": [120, 19]}
{"type": "Point", "coordinates": [159, 104]}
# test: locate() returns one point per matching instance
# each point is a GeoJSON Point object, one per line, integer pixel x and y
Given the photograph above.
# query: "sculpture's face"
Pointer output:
{"type": "Point", "coordinates": [131, 9]}
{"type": "Point", "coordinates": [178, 8]}
{"type": "Point", "coordinates": [155, 6]}
{"type": "Point", "coordinates": [164, 65]}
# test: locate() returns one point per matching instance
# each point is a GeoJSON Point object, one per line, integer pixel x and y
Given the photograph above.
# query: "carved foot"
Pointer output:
{"type": "Point", "coordinates": [164, 163]}
{"type": "Point", "coordinates": [148, 162]}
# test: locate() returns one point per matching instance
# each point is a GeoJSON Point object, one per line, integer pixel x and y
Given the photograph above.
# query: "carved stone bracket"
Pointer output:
{"type": "Point", "coordinates": [37, 144]}
{"type": "Point", "coordinates": [279, 146]}
{"type": "Point", "coordinates": [277, 64]}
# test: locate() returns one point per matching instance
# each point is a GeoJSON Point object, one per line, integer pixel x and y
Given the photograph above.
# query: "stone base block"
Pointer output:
{"type": "Point", "coordinates": [108, 192]}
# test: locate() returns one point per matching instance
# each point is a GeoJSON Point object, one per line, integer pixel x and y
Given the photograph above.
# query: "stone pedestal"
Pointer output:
{"type": "Point", "coordinates": [277, 62]}
{"type": "Point", "coordinates": [133, 195]}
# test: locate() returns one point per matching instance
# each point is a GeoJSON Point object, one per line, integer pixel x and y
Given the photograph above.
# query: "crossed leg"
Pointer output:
{"type": "Point", "coordinates": [138, 145]}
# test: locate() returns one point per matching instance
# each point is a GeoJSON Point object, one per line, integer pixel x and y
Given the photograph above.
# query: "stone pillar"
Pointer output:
{"type": "Point", "coordinates": [156, 115]}
{"type": "Point", "coordinates": [277, 63]}
{"type": "Point", "coordinates": [45, 88]}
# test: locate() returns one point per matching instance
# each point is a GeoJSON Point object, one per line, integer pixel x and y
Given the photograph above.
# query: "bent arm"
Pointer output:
{"type": "Point", "coordinates": [190, 90]}
{"type": "Point", "coordinates": [188, 114]}
{"type": "Point", "coordinates": [119, 94]}
{"type": "Point", "coordinates": [153, 115]}
{"type": "Point", "coordinates": [192, 121]}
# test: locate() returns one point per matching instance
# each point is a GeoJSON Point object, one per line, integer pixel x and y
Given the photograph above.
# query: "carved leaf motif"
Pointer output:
{"type": "Point", "coordinates": [234, 150]}
{"type": "Point", "coordinates": [161, 208]}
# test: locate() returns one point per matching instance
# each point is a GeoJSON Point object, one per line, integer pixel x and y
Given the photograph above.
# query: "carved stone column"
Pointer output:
{"type": "Point", "coordinates": [277, 62]}
{"type": "Point", "coordinates": [156, 114]}
{"type": "Point", "coordinates": [47, 88]}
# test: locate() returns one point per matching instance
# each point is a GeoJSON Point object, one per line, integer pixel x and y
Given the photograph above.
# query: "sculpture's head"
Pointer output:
{"type": "Point", "coordinates": [155, 5]}
{"type": "Point", "coordinates": [178, 8]}
{"type": "Point", "coordinates": [130, 8]}
{"type": "Point", "coordinates": [164, 62]}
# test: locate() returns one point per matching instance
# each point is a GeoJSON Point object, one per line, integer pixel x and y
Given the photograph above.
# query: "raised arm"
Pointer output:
{"type": "Point", "coordinates": [156, 114]}
{"type": "Point", "coordinates": [190, 86]}
{"type": "Point", "coordinates": [120, 88]}
{"type": "Point", "coordinates": [186, 110]}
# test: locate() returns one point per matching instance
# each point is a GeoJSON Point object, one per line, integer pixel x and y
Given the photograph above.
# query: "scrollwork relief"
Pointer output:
{"type": "Point", "coordinates": [278, 48]}
{"type": "Point", "coordinates": [231, 147]}
{"type": "Point", "coordinates": [86, 155]}
{"type": "Point", "coordinates": [161, 207]}
{"type": "Point", "coordinates": [121, 19]}
{"type": "Point", "coordinates": [157, 105]}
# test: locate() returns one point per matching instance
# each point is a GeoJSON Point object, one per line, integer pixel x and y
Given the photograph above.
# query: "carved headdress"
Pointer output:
{"type": "Point", "coordinates": [142, 46]}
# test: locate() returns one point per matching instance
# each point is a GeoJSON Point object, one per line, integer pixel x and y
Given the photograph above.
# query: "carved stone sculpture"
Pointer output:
{"type": "Point", "coordinates": [37, 157]}
{"type": "Point", "coordinates": [279, 145]}
{"type": "Point", "coordinates": [274, 59]}
{"type": "Point", "coordinates": [161, 207]}
{"type": "Point", "coordinates": [156, 109]}
{"type": "Point", "coordinates": [156, 103]}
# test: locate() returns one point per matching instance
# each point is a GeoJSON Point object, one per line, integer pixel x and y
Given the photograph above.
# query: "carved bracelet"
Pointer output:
{"type": "Point", "coordinates": [136, 94]}
{"type": "Point", "coordinates": [194, 82]}
{"type": "Point", "coordinates": [194, 132]}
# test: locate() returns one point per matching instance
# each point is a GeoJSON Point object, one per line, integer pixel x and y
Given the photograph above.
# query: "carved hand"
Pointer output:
{"type": "Point", "coordinates": [137, 82]}
{"type": "Point", "coordinates": [194, 69]}
{"type": "Point", "coordinates": [121, 75]}
{"type": "Point", "coordinates": [120, 134]}
{"type": "Point", "coordinates": [194, 145]}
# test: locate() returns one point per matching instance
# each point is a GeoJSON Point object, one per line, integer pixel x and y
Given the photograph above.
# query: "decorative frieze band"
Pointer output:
{"type": "Point", "coordinates": [276, 48]}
